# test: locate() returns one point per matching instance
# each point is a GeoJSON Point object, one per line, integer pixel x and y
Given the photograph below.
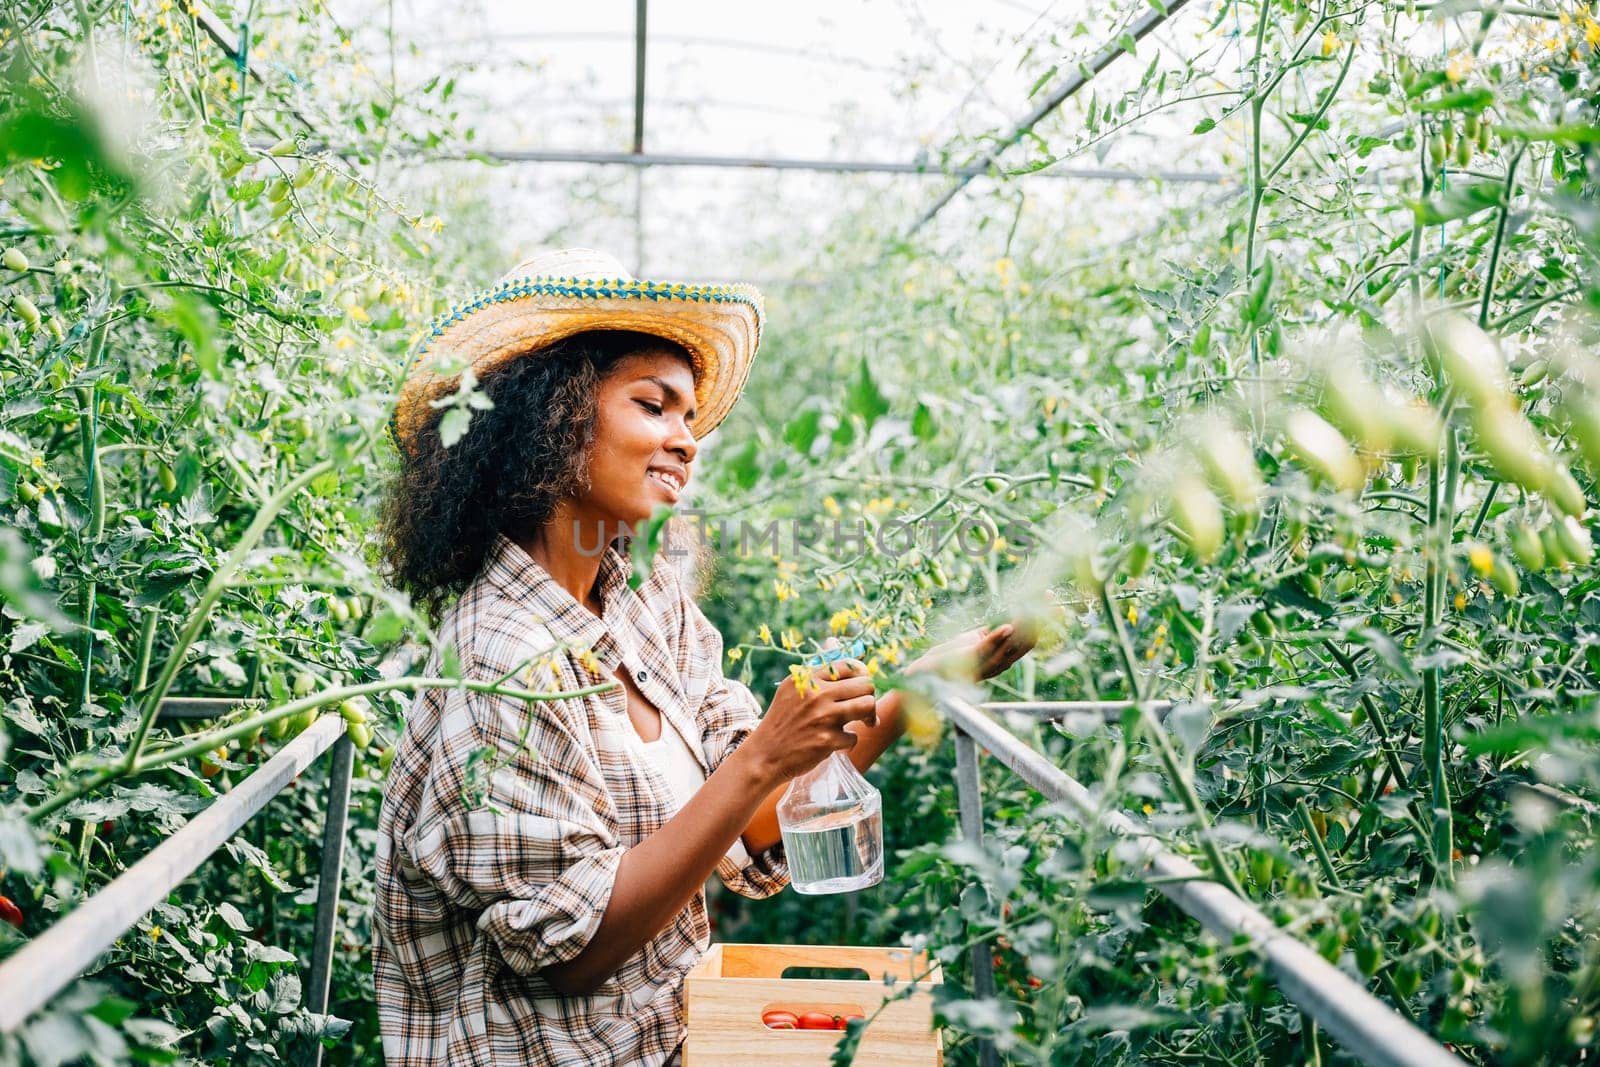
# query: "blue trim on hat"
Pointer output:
{"type": "Point", "coordinates": [544, 285]}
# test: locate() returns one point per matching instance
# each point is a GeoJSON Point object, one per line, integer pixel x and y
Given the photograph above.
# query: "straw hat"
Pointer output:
{"type": "Point", "coordinates": [555, 294]}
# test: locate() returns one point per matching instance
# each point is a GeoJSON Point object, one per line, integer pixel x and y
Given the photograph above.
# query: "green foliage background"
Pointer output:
{"type": "Point", "coordinates": [1384, 728]}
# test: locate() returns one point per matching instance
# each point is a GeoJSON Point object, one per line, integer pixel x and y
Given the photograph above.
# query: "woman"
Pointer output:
{"type": "Point", "coordinates": [541, 864]}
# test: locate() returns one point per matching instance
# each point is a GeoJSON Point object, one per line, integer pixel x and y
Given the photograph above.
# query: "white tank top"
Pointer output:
{"type": "Point", "coordinates": [673, 760]}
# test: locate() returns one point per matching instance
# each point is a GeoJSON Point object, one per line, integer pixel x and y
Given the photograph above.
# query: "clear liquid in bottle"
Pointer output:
{"type": "Point", "coordinates": [832, 824]}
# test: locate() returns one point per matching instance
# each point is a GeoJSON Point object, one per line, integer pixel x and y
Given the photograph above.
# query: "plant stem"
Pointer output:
{"type": "Point", "coordinates": [1317, 846]}
{"type": "Point", "coordinates": [198, 744]}
{"type": "Point", "coordinates": [1181, 780]}
{"type": "Point", "coordinates": [1441, 521]}
{"type": "Point", "coordinates": [1375, 715]}
{"type": "Point", "coordinates": [1257, 189]}
{"type": "Point", "coordinates": [147, 644]}
{"type": "Point", "coordinates": [1503, 213]}
{"type": "Point", "coordinates": [208, 599]}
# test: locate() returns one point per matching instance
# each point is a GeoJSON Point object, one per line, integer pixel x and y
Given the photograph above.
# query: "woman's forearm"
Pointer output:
{"type": "Point", "coordinates": [660, 875]}
{"type": "Point", "coordinates": [871, 742]}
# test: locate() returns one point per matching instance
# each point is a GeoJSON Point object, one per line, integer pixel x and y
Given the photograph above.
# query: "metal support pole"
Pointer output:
{"type": "Point", "coordinates": [969, 798]}
{"type": "Point", "coordinates": [1369, 1029]}
{"type": "Point", "coordinates": [639, 13]}
{"type": "Point", "coordinates": [1057, 96]}
{"type": "Point", "coordinates": [44, 966]}
{"type": "Point", "coordinates": [341, 760]}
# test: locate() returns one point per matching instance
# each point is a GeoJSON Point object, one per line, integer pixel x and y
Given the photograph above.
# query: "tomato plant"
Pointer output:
{"type": "Point", "coordinates": [1310, 453]}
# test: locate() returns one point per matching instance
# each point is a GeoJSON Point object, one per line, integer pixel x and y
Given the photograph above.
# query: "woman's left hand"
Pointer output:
{"type": "Point", "coordinates": [981, 653]}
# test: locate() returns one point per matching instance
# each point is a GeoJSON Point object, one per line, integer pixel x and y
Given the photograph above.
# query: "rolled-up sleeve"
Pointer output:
{"type": "Point", "coordinates": [727, 715]}
{"type": "Point", "coordinates": [514, 826]}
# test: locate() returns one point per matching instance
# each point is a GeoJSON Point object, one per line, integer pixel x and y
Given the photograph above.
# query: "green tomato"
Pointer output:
{"type": "Point", "coordinates": [360, 735]}
{"type": "Point", "coordinates": [1138, 559]}
{"type": "Point", "coordinates": [14, 259]}
{"type": "Point", "coordinates": [26, 310]}
{"type": "Point", "coordinates": [1555, 555]}
{"type": "Point", "coordinates": [1407, 979]}
{"type": "Point", "coordinates": [1564, 493]}
{"type": "Point", "coordinates": [1525, 545]}
{"type": "Point", "coordinates": [1369, 954]}
{"type": "Point", "coordinates": [1261, 867]}
{"type": "Point", "coordinates": [1198, 517]}
{"type": "Point", "coordinates": [1330, 943]}
{"type": "Point", "coordinates": [1504, 577]}
{"type": "Point", "coordinates": [1576, 542]}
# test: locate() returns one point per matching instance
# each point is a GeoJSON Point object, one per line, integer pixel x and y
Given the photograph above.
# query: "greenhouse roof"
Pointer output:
{"type": "Point", "coordinates": [626, 126]}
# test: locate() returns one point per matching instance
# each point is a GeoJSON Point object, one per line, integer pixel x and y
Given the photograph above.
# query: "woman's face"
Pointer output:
{"type": "Point", "coordinates": [643, 449]}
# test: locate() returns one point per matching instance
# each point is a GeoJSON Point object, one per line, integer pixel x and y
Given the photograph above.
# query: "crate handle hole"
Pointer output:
{"type": "Point", "coordinates": [834, 974]}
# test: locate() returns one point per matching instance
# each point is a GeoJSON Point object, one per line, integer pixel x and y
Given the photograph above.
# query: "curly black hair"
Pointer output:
{"type": "Point", "coordinates": [440, 513]}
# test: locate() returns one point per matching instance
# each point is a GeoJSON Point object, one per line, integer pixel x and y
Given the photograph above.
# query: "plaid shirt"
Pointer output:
{"type": "Point", "coordinates": [502, 828]}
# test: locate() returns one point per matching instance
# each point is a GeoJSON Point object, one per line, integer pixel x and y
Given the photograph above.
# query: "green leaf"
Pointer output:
{"type": "Point", "coordinates": [1205, 125]}
{"type": "Point", "coordinates": [745, 465]}
{"type": "Point", "coordinates": [864, 397]}
{"type": "Point", "coordinates": [453, 427]}
{"type": "Point", "coordinates": [922, 424]}
{"type": "Point", "coordinates": [196, 320]}
{"type": "Point", "coordinates": [20, 587]}
{"type": "Point", "coordinates": [1467, 100]}
{"type": "Point", "coordinates": [802, 429]}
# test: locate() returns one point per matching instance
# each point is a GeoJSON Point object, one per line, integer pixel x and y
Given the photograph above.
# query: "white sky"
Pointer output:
{"type": "Point", "coordinates": [830, 79]}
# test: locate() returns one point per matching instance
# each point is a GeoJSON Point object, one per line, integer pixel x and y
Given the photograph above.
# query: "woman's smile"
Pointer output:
{"type": "Point", "coordinates": [670, 479]}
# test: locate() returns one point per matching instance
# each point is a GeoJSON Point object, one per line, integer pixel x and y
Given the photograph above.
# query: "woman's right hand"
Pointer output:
{"type": "Point", "coordinates": [800, 729]}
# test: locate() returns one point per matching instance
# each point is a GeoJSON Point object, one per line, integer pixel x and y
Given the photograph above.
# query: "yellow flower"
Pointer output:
{"type": "Point", "coordinates": [735, 654]}
{"type": "Point", "coordinates": [1459, 67]}
{"type": "Point", "coordinates": [1482, 559]}
{"type": "Point", "coordinates": [358, 313]}
{"type": "Point", "coordinates": [155, 933]}
{"type": "Point", "coordinates": [1133, 615]}
{"type": "Point", "coordinates": [924, 725]}
{"type": "Point", "coordinates": [1461, 601]}
{"type": "Point", "coordinates": [874, 666]}
{"type": "Point", "coordinates": [765, 634]}
{"type": "Point", "coordinates": [802, 678]}
{"type": "Point", "coordinates": [789, 639]}
{"type": "Point", "coordinates": [1330, 43]}
{"type": "Point", "coordinates": [590, 661]}
{"type": "Point", "coordinates": [782, 589]}
{"type": "Point", "coordinates": [831, 506]}
{"type": "Point", "coordinates": [839, 622]}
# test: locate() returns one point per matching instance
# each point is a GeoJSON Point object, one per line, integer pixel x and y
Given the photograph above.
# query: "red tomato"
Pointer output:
{"type": "Point", "coordinates": [780, 1020]}
{"type": "Point", "coordinates": [10, 913]}
{"type": "Point", "coordinates": [843, 1021]}
{"type": "Point", "coordinates": [817, 1020]}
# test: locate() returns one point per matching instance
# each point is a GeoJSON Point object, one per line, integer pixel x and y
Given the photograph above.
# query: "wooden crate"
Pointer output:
{"type": "Point", "coordinates": [729, 989]}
